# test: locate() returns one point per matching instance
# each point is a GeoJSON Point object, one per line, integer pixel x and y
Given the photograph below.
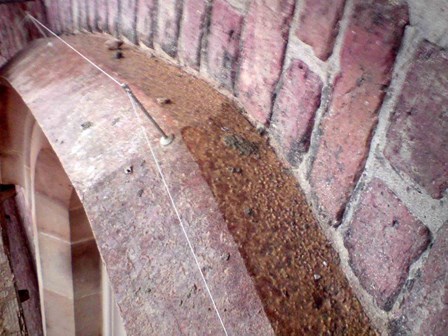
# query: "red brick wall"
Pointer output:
{"type": "Point", "coordinates": [353, 95]}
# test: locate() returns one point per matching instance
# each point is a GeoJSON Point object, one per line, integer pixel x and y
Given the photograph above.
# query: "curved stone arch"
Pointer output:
{"type": "Point", "coordinates": [133, 228]}
{"type": "Point", "coordinates": [60, 228]}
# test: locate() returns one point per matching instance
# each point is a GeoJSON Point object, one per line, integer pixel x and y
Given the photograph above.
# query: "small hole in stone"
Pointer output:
{"type": "Point", "coordinates": [129, 170]}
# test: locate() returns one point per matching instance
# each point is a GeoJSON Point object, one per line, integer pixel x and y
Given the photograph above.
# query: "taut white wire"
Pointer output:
{"type": "Point", "coordinates": [37, 22]}
{"type": "Point", "coordinates": [159, 168]}
{"type": "Point", "coordinates": [162, 176]}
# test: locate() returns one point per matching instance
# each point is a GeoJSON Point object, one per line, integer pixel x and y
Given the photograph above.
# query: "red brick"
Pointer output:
{"type": "Point", "coordinates": [367, 57]}
{"type": "Point", "coordinates": [264, 42]}
{"type": "Point", "coordinates": [15, 34]}
{"type": "Point", "coordinates": [65, 15]}
{"type": "Point", "coordinates": [36, 9]}
{"type": "Point", "coordinates": [223, 42]}
{"type": "Point", "coordinates": [128, 22]}
{"type": "Point", "coordinates": [90, 7]}
{"type": "Point", "coordinates": [146, 24]}
{"type": "Point", "coordinates": [82, 14]}
{"type": "Point", "coordinates": [113, 17]}
{"type": "Point", "coordinates": [294, 110]}
{"type": "Point", "coordinates": [417, 141]}
{"type": "Point", "coordinates": [168, 20]}
{"type": "Point", "coordinates": [52, 10]}
{"type": "Point", "coordinates": [383, 240]}
{"type": "Point", "coordinates": [102, 12]}
{"type": "Point", "coordinates": [193, 22]}
{"type": "Point", "coordinates": [319, 25]}
{"type": "Point", "coordinates": [425, 307]}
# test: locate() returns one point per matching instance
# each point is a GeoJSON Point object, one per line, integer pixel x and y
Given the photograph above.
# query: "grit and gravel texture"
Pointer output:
{"type": "Point", "coordinates": [294, 267]}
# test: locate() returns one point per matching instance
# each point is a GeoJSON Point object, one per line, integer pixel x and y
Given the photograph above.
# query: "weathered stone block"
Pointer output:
{"type": "Point", "coordinates": [264, 42]}
{"type": "Point", "coordinates": [383, 240]}
{"type": "Point", "coordinates": [417, 141]}
{"type": "Point", "coordinates": [319, 25]}
{"type": "Point", "coordinates": [425, 307]}
{"type": "Point", "coordinates": [193, 21]}
{"type": "Point", "coordinates": [367, 57]}
{"type": "Point", "coordinates": [294, 110]}
{"type": "Point", "coordinates": [223, 42]}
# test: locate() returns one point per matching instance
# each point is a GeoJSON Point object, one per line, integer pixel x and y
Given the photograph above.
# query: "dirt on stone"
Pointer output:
{"type": "Point", "coordinates": [294, 268]}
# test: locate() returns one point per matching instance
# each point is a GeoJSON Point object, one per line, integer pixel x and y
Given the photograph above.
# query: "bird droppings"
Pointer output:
{"type": "Point", "coordinates": [86, 125]}
{"type": "Point", "coordinates": [118, 54]}
{"type": "Point", "coordinates": [163, 101]}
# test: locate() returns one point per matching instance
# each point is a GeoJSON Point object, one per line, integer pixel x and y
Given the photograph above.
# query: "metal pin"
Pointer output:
{"type": "Point", "coordinates": [165, 140]}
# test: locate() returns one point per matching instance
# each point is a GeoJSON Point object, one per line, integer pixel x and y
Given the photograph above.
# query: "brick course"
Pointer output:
{"type": "Point", "coordinates": [244, 51]}
{"type": "Point", "coordinates": [168, 19]}
{"type": "Point", "coordinates": [383, 240]}
{"type": "Point", "coordinates": [425, 307]}
{"type": "Point", "coordinates": [367, 57]}
{"type": "Point", "coordinates": [192, 27]}
{"type": "Point", "coordinates": [223, 42]}
{"type": "Point", "coordinates": [417, 141]}
{"type": "Point", "coordinates": [319, 25]}
{"type": "Point", "coordinates": [264, 42]}
{"type": "Point", "coordinates": [294, 111]}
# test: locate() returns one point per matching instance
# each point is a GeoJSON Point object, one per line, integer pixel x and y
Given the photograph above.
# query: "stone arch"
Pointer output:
{"type": "Point", "coordinates": [70, 272]}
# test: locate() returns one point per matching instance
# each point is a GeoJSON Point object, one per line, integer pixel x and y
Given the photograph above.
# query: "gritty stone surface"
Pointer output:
{"type": "Point", "coordinates": [319, 25]}
{"type": "Point", "coordinates": [192, 28]}
{"type": "Point", "coordinates": [294, 110]}
{"type": "Point", "coordinates": [424, 310]}
{"type": "Point", "coordinates": [168, 20]}
{"type": "Point", "coordinates": [264, 42]}
{"type": "Point", "coordinates": [417, 140]}
{"type": "Point", "coordinates": [368, 54]}
{"type": "Point", "coordinates": [383, 240]}
{"type": "Point", "coordinates": [223, 42]}
{"type": "Point", "coordinates": [293, 267]}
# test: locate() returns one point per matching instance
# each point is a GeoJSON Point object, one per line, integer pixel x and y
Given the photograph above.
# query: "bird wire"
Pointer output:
{"type": "Point", "coordinates": [154, 157]}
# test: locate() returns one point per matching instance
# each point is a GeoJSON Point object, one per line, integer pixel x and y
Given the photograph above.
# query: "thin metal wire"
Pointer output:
{"type": "Point", "coordinates": [190, 245]}
{"type": "Point", "coordinates": [36, 21]}
{"type": "Point", "coordinates": [156, 161]}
